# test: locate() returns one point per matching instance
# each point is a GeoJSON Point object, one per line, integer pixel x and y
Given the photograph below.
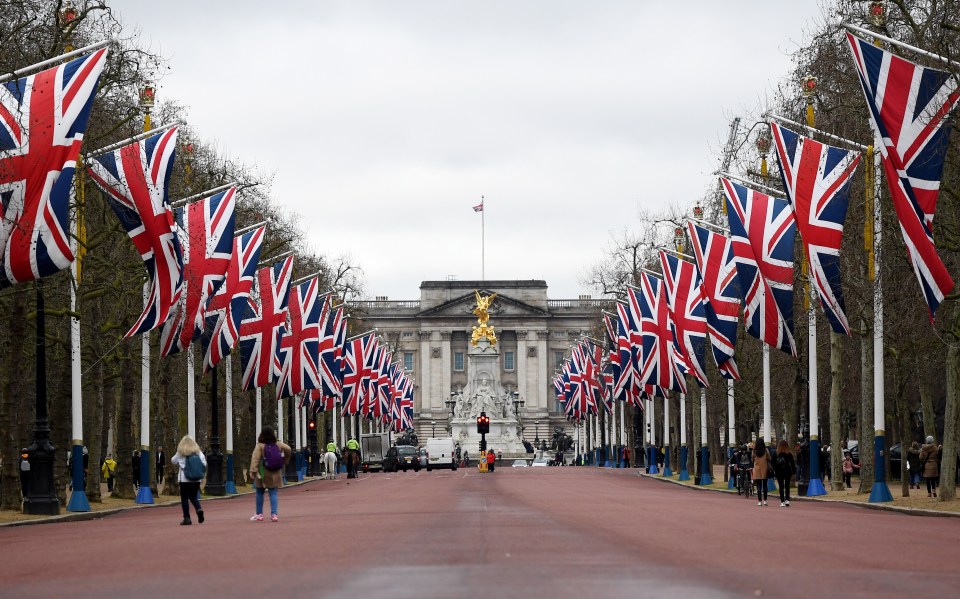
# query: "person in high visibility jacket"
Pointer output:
{"type": "Point", "coordinates": [352, 444]}
{"type": "Point", "coordinates": [352, 458]}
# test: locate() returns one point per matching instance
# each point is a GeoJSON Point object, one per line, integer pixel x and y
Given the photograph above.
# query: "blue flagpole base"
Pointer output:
{"type": "Point", "coordinates": [145, 495]}
{"type": "Point", "coordinates": [771, 486]}
{"type": "Point", "coordinates": [667, 471]}
{"type": "Point", "coordinates": [684, 475]}
{"type": "Point", "coordinates": [815, 488]}
{"type": "Point", "coordinates": [706, 477]}
{"type": "Point", "coordinates": [230, 487]}
{"type": "Point", "coordinates": [78, 501]}
{"type": "Point", "coordinates": [607, 464]}
{"type": "Point", "coordinates": [880, 493]}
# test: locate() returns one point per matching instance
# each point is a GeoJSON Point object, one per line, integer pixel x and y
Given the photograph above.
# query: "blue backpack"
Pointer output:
{"type": "Point", "coordinates": [194, 469]}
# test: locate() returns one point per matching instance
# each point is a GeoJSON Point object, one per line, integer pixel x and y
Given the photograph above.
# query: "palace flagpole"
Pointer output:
{"type": "Point", "coordinates": [483, 234]}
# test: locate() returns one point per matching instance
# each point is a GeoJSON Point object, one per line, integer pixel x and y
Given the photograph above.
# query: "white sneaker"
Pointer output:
{"type": "Point", "coordinates": [781, 504]}
{"type": "Point", "coordinates": [788, 504]}
{"type": "Point", "coordinates": [759, 504]}
{"type": "Point", "coordinates": [764, 503]}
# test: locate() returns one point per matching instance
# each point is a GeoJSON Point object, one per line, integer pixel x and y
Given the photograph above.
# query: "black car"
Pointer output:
{"type": "Point", "coordinates": [401, 457]}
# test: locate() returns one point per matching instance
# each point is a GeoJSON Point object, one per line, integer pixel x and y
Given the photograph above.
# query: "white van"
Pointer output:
{"type": "Point", "coordinates": [441, 453]}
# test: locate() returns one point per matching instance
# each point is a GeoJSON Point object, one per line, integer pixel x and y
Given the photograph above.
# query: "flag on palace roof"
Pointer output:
{"type": "Point", "coordinates": [909, 111]}
{"type": "Point", "coordinates": [721, 289]}
{"type": "Point", "coordinates": [42, 121]}
{"type": "Point", "coordinates": [762, 231]}
{"type": "Point", "coordinates": [134, 180]}
{"type": "Point", "coordinates": [231, 303]}
{"type": "Point", "coordinates": [206, 236]}
{"type": "Point", "coordinates": [478, 207]}
{"type": "Point", "coordinates": [817, 179]}
{"type": "Point", "coordinates": [260, 332]}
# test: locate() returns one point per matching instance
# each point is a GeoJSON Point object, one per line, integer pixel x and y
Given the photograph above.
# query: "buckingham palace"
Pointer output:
{"type": "Point", "coordinates": [431, 337]}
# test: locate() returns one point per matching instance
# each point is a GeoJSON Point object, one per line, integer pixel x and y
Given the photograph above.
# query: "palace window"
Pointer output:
{"type": "Point", "coordinates": [557, 359]}
{"type": "Point", "coordinates": [508, 360]}
{"type": "Point", "coordinates": [408, 361]}
{"type": "Point", "coordinates": [458, 361]}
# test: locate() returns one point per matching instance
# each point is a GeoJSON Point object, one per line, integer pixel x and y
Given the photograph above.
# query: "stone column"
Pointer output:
{"type": "Point", "coordinates": [543, 360]}
{"type": "Point", "coordinates": [521, 364]}
{"type": "Point", "coordinates": [446, 370]}
{"type": "Point", "coordinates": [424, 380]}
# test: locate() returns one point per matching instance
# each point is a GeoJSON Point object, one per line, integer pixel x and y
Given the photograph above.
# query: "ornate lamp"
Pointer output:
{"type": "Point", "coordinates": [68, 14]}
{"type": "Point", "coordinates": [146, 102]}
{"type": "Point", "coordinates": [763, 147]}
{"type": "Point", "coordinates": [877, 14]}
{"type": "Point", "coordinates": [697, 211]}
{"type": "Point", "coordinates": [808, 87]}
{"type": "Point", "coordinates": [678, 238]}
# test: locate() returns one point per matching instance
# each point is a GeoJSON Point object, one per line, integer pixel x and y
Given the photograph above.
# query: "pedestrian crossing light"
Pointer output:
{"type": "Point", "coordinates": [483, 423]}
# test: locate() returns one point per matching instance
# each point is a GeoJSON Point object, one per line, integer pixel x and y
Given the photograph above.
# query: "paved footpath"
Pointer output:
{"type": "Point", "coordinates": [533, 532]}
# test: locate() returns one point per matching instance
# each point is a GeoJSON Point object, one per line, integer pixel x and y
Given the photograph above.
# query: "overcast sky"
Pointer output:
{"type": "Point", "coordinates": [385, 121]}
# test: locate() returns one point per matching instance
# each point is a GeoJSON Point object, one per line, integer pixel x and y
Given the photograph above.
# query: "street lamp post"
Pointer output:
{"type": "Point", "coordinates": [433, 428]}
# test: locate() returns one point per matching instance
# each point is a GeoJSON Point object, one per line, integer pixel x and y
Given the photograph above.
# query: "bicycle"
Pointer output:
{"type": "Point", "coordinates": [744, 482]}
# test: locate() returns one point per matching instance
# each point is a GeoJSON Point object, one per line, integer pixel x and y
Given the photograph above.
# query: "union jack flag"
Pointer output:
{"type": "Point", "coordinates": [817, 179]}
{"type": "Point", "coordinates": [909, 105]}
{"type": "Point", "coordinates": [721, 290]}
{"type": "Point", "coordinates": [688, 318]}
{"type": "Point", "coordinates": [300, 345]}
{"type": "Point", "coordinates": [42, 121]}
{"type": "Point", "coordinates": [206, 235]}
{"type": "Point", "coordinates": [762, 231]}
{"type": "Point", "coordinates": [623, 387]}
{"type": "Point", "coordinates": [260, 333]}
{"type": "Point", "coordinates": [134, 181]}
{"type": "Point", "coordinates": [661, 364]}
{"type": "Point", "coordinates": [229, 306]}
{"type": "Point", "coordinates": [330, 351]}
{"type": "Point", "coordinates": [354, 358]}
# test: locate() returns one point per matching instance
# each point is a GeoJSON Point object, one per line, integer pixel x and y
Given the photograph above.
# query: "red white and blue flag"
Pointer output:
{"type": "Point", "coordinates": [330, 352]}
{"type": "Point", "coordinates": [721, 290]}
{"type": "Point", "coordinates": [817, 179]}
{"type": "Point", "coordinates": [909, 108]}
{"type": "Point", "coordinates": [260, 333]}
{"type": "Point", "coordinates": [300, 345]}
{"type": "Point", "coordinates": [42, 121]}
{"type": "Point", "coordinates": [230, 305]}
{"type": "Point", "coordinates": [762, 231]}
{"type": "Point", "coordinates": [688, 317]}
{"type": "Point", "coordinates": [206, 235]}
{"type": "Point", "coordinates": [624, 385]}
{"type": "Point", "coordinates": [660, 364]}
{"type": "Point", "coordinates": [354, 358]}
{"type": "Point", "coordinates": [134, 180]}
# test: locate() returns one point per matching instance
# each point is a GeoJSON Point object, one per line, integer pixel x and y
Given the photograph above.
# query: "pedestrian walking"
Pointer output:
{"type": "Point", "coordinates": [784, 467]}
{"type": "Point", "coordinates": [491, 460]}
{"type": "Point", "coordinates": [159, 465]}
{"type": "Point", "coordinates": [193, 467]}
{"type": "Point", "coordinates": [108, 470]}
{"type": "Point", "coordinates": [931, 469]}
{"type": "Point", "coordinates": [500, 456]}
{"type": "Point", "coordinates": [913, 465]}
{"type": "Point", "coordinates": [848, 468]}
{"type": "Point", "coordinates": [626, 457]}
{"type": "Point", "coordinates": [266, 470]}
{"type": "Point", "coordinates": [24, 472]}
{"type": "Point", "coordinates": [761, 466]}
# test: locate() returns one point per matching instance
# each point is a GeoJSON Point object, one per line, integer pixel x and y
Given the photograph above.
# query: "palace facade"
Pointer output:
{"type": "Point", "coordinates": [431, 336]}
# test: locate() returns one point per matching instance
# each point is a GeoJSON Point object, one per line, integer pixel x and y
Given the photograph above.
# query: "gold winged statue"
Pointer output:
{"type": "Point", "coordinates": [483, 316]}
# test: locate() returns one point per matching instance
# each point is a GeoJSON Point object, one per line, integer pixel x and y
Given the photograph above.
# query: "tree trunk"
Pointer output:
{"type": "Point", "coordinates": [948, 467]}
{"type": "Point", "coordinates": [129, 391]}
{"type": "Point", "coordinates": [926, 407]}
{"type": "Point", "coordinates": [694, 450]}
{"type": "Point", "coordinates": [10, 415]}
{"type": "Point", "coordinates": [903, 423]}
{"type": "Point", "coordinates": [866, 408]}
{"type": "Point", "coordinates": [836, 437]}
{"type": "Point", "coordinates": [94, 435]}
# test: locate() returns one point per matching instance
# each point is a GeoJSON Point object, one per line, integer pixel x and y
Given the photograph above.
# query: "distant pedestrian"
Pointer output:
{"type": "Point", "coordinates": [330, 461]}
{"type": "Point", "coordinates": [491, 460]}
{"type": "Point", "coordinates": [108, 471]}
{"type": "Point", "coordinates": [848, 467]}
{"type": "Point", "coordinates": [761, 466]}
{"type": "Point", "coordinates": [500, 456]}
{"type": "Point", "coordinates": [135, 467]}
{"type": "Point", "coordinates": [913, 465]}
{"type": "Point", "coordinates": [188, 452]}
{"type": "Point", "coordinates": [931, 469]}
{"type": "Point", "coordinates": [159, 465]}
{"type": "Point", "coordinates": [626, 457]}
{"type": "Point", "coordinates": [266, 470]}
{"type": "Point", "coordinates": [784, 467]}
{"type": "Point", "coordinates": [24, 471]}
{"type": "Point", "coordinates": [466, 459]}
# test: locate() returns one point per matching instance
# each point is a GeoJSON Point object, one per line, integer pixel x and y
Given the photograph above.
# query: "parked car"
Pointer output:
{"type": "Point", "coordinates": [520, 464]}
{"type": "Point", "coordinates": [894, 455]}
{"type": "Point", "coordinates": [401, 457]}
{"type": "Point", "coordinates": [540, 461]}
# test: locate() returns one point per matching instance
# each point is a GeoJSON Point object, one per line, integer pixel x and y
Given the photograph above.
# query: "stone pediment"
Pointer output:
{"type": "Point", "coordinates": [503, 306]}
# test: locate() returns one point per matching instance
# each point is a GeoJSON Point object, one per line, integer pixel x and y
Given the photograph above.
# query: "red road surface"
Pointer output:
{"type": "Point", "coordinates": [544, 532]}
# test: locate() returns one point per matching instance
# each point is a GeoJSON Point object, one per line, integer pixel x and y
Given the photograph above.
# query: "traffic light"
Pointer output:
{"type": "Point", "coordinates": [483, 423]}
{"type": "Point", "coordinates": [312, 425]}
{"type": "Point", "coordinates": [483, 447]}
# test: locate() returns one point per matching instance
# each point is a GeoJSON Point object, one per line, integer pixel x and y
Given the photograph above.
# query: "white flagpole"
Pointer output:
{"type": "Point", "coordinates": [684, 473]}
{"type": "Point", "coordinates": [259, 411]}
{"type": "Point", "coordinates": [666, 436]}
{"type": "Point", "coordinates": [191, 395]}
{"type": "Point", "coordinates": [144, 494]}
{"type": "Point", "coordinates": [880, 492]}
{"type": "Point", "coordinates": [280, 419]}
{"type": "Point", "coordinates": [706, 469]}
{"type": "Point", "coordinates": [815, 486]}
{"type": "Point", "coordinates": [483, 240]}
{"type": "Point", "coordinates": [78, 496]}
{"type": "Point", "coordinates": [766, 395]}
{"type": "Point", "coordinates": [230, 484]}
{"type": "Point", "coordinates": [623, 430]}
{"type": "Point", "coordinates": [731, 426]}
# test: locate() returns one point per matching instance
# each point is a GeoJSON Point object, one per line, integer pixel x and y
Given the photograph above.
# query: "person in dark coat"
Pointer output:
{"type": "Point", "coordinates": [913, 462]}
{"type": "Point", "coordinates": [159, 463]}
{"type": "Point", "coordinates": [784, 467]}
{"type": "Point", "coordinates": [931, 468]}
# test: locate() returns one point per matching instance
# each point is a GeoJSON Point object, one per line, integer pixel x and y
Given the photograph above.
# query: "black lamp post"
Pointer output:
{"type": "Point", "coordinates": [433, 428]}
{"type": "Point", "coordinates": [216, 485]}
{"type": "Point", "coordinates": [41, 497]}
{"type": "Point", "coordinates": [290, 473]}
{"type": "Point", "coordinates": [313, 443]}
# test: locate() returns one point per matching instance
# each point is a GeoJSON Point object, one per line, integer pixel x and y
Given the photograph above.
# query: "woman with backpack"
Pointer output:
{"type": "Point", "coordinates": [784, 466]}
{"type": "Point", "coordinates": [193, 467]}
{"type": "Point", "coordinates": [761, 466]}
{"type": "Point", "coordinates": [266, 470]}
